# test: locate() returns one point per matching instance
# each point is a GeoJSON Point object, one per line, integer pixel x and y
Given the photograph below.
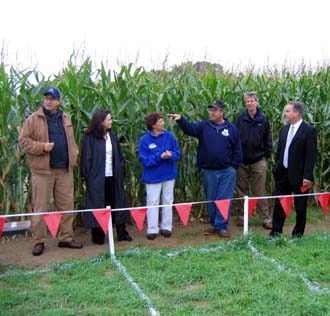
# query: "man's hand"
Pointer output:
{"type": "Point", "coordinates": [48, 147]}
{"type": "Point", "coordinates": [174, 117]}
{"type": "Point", "coordinates": [307, 182]}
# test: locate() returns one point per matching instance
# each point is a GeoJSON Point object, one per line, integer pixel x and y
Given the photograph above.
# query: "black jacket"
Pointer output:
{"type": "Point", "coordinates": [255, 135]}
{"type": "Point", "coordinates": [302, 154]}
{"type": "Point", "coordinates": [92, 164]}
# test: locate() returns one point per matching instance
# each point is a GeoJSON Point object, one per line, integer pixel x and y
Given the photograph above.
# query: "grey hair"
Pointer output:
{"type": "Point", "coordinates": [251, 94]}
{"type": "Point", "coordinates": [298, 107]}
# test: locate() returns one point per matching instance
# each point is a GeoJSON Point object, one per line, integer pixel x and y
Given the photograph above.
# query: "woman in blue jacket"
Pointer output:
{"type": "Point", "coordinates": [158, 152]}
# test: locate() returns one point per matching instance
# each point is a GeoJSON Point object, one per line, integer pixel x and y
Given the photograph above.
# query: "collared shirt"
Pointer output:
{"type": "Point", "coordinates": [108, 156]}
{"type": "Point", "coordinates": [296, 126]}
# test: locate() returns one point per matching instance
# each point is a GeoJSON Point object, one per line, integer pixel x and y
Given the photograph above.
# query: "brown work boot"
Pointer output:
{"type": "Point", "coordinates": [70, 244]}
{"type": "Point", "coordinates": [267, 225]}
{"type": "Point", "coordinates": [224, 234]}
{"type": "Point", "coordinates": [209, 231]}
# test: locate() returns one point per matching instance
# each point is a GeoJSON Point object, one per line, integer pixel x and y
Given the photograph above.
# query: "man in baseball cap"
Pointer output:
{"type": "Point", "coordinates": [219, 154]}
{"type": "Point", "coordinates": [51, 150]}
{"type": "Point", "coordinates": [217, 104]}
{"type": "Point", "coordinates": [53, 92]}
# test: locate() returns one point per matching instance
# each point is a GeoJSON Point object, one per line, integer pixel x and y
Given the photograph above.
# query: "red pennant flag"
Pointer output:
{"type": "Point", "coordinates": [286, 203]}
{"type": "Point", "coordinates": [102, 218]}
{"type": "Point", "coordinates": [304, 188]}
{"type": "Point", "coordinates": [251, 206]}
{"type": "Point", "coordinates": [139, 216]}
{"type": "Point", "coordinates": [53, 222]}
{"type": "Point", "coordinates": [324, 201]}
{"type": "Point", "coordinates": [223, 207]}
{"type": "Point", "coordinates": [2, 224]}
{"type": "Point", "coordinates": [184, 212]}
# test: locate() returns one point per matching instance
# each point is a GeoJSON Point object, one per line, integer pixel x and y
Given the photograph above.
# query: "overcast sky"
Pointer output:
{"type": "Point", "coordinates": [234, 33]}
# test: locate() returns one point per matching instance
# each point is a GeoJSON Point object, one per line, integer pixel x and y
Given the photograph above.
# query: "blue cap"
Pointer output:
{"type": "Point", "coordinates": [217, 104]}
{"type": "Point", "coordinates": [54, 92]}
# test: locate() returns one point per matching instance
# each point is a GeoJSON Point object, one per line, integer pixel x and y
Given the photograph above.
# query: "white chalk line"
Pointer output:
{"type": "Point", "coordinates": [66, 266]}
{"type": "Point", "coordinates": [144, 297]}
{"type": "Point", "coordinates": [141, 251]}
{"type": "Point", "coordinates": [312, 286]}
{"type": "Point", "coordinates": [55, 268]}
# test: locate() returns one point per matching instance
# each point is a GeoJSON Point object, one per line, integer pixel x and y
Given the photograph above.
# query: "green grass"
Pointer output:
{"type": "Point", "coordinates": [214, 279]}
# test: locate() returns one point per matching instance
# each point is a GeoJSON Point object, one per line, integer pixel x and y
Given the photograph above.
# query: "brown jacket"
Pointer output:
{"type": "Point", "coordinates": [33, 137]}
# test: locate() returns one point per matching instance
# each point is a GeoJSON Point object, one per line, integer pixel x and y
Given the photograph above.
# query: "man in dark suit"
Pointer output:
{"type": "Point", "coordinates": [294, 164]}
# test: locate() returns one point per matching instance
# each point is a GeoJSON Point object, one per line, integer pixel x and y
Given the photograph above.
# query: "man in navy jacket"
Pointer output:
{"type": "Point", "coordinates": [294, 164]}
{"type": "Point", "coordinates": [219, 154]}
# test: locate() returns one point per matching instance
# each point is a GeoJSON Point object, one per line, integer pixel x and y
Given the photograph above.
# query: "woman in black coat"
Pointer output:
{"type": "Point", "coordinates": [101, 166]}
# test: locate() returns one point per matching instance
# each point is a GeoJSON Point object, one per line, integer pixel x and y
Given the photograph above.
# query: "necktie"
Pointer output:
{"type": "Point", "coordinates": [287, 146]}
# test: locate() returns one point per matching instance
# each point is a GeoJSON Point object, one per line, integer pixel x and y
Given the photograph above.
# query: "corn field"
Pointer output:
{"type": "Point", "coordinates": [132, 93]}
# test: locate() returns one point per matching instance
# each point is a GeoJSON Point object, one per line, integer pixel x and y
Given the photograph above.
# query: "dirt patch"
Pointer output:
{"type": "Point", "coordinates": [16, 250]}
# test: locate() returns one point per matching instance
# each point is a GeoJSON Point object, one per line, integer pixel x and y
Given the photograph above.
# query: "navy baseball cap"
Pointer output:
{"type": "Point", "coordinates": [217, 104]}
{"type": "Point", "coordinates": [54, 92]}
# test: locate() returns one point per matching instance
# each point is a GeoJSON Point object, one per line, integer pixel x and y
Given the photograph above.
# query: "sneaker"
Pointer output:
{"type": "Point", "coordinates": [151, 236]}
{"type": "Point", "coordinates": [166, 233]}
{"type": "Point", "coordinates": [224, 234]}
{"type": "Point", "coordinates": [209, 231]}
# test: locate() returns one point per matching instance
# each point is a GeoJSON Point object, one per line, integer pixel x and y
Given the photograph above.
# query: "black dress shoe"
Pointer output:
{"type": "Point", "coordinates": [98, 240]}
{"type": "Point", "coordinates": [151, 236]}
{"type": "Point", "coordinates": [70, 244]}
{"type": "Point", "coordinates": [126, 237]}
{"type": "Point", "coordinates": [38, 249]}
{"type": "Point", "coordinates": [166, 233]}
{"type": "Point", "coordinates": [98, 235]}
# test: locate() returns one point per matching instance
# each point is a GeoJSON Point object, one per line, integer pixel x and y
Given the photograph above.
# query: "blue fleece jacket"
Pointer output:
{"type": "Point", "coordinates": [151, 147]}
{"type": "Point", "coordinates": [59, 155]}
{"type": "Point", "coordinates": [219, 145]}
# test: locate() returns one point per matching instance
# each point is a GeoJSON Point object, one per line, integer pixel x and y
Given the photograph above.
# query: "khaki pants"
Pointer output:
{"type": "Point", "coordinates": [60, 184]}
{"type": "Point", "coordinates": [254, 175]}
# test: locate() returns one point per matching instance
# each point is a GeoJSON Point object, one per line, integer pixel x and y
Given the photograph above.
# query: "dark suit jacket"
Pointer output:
{"type": "Point", "coordinates": [302, 154]}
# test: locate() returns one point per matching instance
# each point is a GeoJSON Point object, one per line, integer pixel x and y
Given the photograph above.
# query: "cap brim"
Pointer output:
{"type": "Point", "coordinates": [214, 106]}
{"type": "Point", "coordinates": [54, 96]}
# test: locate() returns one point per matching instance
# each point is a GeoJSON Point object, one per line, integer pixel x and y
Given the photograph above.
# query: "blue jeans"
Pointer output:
{"type": "Point", "coordinates": [218, 185]}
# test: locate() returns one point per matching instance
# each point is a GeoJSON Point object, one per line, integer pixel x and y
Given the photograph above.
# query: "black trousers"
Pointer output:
{"type": "Point", "coordinates": [109, 199]}
{"type": "Point", "coordinates": [109, 191]}
{"type": "Point", "coordinates": [283, 187]}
